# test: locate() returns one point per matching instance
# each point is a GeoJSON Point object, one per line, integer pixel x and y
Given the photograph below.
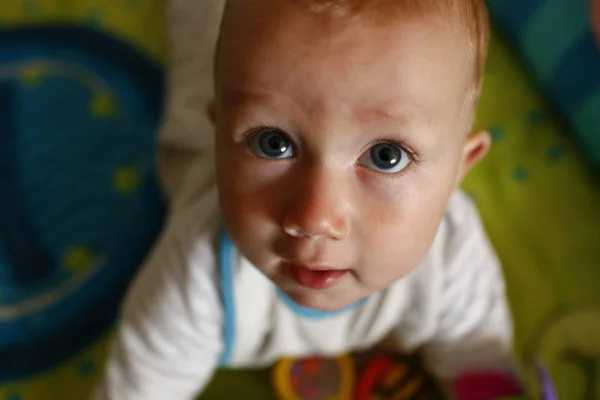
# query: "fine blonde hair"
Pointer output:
{"type": "Point", "coordinates": [471, 15]}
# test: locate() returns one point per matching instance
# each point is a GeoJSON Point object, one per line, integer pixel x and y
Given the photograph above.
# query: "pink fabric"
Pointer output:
{"type": "Point", "coordinates": [486, 386]}
{"type": "Point", "coordinates": [596, 19]}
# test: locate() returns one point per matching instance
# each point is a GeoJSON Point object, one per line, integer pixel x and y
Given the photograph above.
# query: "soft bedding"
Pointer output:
{"type": "Point", "coordinates": [539, 201]}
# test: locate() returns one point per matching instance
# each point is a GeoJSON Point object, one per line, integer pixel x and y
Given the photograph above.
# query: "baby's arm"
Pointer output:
{"type": "Point", "coordinates": [473, 323]}
{"type": "Point", "coordinates": [168, 340]}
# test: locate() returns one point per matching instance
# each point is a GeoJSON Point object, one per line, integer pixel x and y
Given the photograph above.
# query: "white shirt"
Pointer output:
{"type": "Point", "coordinates": [198, 303]}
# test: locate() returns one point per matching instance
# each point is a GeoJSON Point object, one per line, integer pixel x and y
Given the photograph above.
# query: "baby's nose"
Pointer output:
{"type": "Point", "coordinates": [318, 230]}
{"type": "Point", "coordinates": [317, 208]}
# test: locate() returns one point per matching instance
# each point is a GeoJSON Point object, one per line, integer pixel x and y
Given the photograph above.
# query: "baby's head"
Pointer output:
{"type": "Point", "coordinates": [343, 126]}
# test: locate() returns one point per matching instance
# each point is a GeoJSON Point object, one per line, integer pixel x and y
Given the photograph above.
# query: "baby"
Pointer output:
{"type": "Point", "coordinates": [327, 214]}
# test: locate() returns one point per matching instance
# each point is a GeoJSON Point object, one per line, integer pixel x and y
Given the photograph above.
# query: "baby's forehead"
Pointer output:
{"type": "Point", "coordinates": [345, 10]}
{"type": "Point", "coordinates": [301, 62]}
{"type": "Point", "coordinates": [465, 19]}
{"type": "Point", "coordinates": [281, 17]}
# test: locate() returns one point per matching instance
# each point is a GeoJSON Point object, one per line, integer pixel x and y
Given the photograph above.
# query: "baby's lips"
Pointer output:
{"type": "Point", "coordinates": [315, 279]}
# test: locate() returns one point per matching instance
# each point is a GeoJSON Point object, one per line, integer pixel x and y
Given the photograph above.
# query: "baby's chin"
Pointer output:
{"type": "Point", "coordinates": [348, 292]}
{"type": "Point", "coordinates": [324, 300]}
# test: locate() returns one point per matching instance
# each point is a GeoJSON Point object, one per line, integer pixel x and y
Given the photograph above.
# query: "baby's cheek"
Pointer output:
{"type": "Point", "coordinates": [247, 224]}
{"type": "Point", "coordinates": [242, 209]}
{"type": "Point", "coordinates": [249, 207]}
{"type": "Point", "coordinates": [404, 234]}
{"type": "Point", "coordinates": [380, 193]}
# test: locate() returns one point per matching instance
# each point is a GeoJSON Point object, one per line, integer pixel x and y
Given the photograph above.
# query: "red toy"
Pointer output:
{"type": "Point", "coordinates": [487, 386]}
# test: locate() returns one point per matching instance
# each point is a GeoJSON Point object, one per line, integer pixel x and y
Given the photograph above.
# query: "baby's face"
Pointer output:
{"type": "Point", "coordinates": [338, 145]}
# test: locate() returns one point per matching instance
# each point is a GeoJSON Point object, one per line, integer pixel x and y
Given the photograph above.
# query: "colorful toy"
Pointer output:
{"type": "Point", "coordinates": [487, 386]}
{"type": "Point", "coordinates": [315, 379]}
{"type": "Point", "coordinates": [381, 376]}
{"type": "Point", "coordinates": [548, 392]}
{"type": "Point", "coordinates": [385, 377]}
{"type": "Point", "coordinates": [497, 386]}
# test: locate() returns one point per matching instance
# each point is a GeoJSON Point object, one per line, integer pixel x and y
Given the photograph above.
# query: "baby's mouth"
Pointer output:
{"type": "Point", "coordinates": [318, 278]}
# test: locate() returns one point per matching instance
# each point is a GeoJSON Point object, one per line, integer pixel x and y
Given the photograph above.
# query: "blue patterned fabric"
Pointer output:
{"type": "Point", "coordinates": [554, 38]}
{"type": "Point", "coordinates": [79, 205]}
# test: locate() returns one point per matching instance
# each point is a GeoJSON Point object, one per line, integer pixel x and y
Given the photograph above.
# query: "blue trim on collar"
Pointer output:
{"type": "Point", "coordinates": [313, 313]}
{"type": "Point", "coordinates": [226, 255]}
{"type": "Point", "coordinates": [226, 268]}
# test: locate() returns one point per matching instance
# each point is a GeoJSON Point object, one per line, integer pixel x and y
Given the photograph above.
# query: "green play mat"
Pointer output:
{"type": "Point", "coordinates": [539, 200]}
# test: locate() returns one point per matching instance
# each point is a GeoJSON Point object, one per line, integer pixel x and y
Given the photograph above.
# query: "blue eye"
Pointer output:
{"type": "Point", "coordinates": [271, 143]}
{"type": "Point", "coordinates": [385, 157]}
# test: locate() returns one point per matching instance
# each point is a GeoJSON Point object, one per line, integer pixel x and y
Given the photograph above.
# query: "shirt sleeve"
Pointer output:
{"type": "Point", "coordinates": [473, 328]}
{"type": "Point", "coordinates": [169, 337]}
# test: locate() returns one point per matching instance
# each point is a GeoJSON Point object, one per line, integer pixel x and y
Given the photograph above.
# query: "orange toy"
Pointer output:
{"type": "Point", "coordinates": [315, 379]}
{"type": "Point", "coordinates": [385, 377]}
{"type": "Point", "coordinates": [381, 376]}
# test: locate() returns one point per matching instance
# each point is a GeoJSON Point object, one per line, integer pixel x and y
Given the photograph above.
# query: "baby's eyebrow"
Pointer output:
{"type": "Point", "coordinates": [409, 113]}
{"type": "Point", "coordinates": [238, 97]}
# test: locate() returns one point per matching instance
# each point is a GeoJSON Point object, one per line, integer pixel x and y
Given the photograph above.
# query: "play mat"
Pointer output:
{"type": "Point", "coordinates": [80, 99]}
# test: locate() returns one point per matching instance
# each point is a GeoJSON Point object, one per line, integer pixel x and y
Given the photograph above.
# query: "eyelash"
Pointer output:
{"type": "Point", "coordinates": [414, 156]}
{"type": "Point", "coordinates": [247, 135]}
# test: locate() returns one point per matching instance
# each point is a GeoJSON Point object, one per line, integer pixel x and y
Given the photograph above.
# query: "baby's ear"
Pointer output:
{"type": "Point", "coordinates": [475, 149]}
{"type": "Point", "coordinates": [211, 112]}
